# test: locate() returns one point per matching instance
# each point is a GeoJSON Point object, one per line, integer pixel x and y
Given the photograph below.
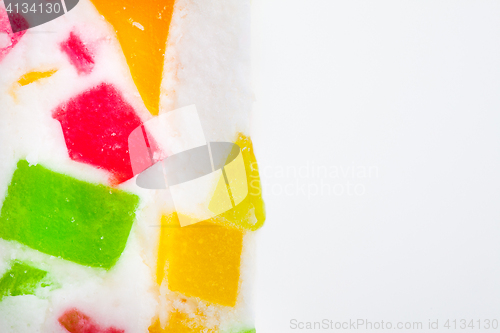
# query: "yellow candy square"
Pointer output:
{"type": "Point", "coordinates": [201, 260]}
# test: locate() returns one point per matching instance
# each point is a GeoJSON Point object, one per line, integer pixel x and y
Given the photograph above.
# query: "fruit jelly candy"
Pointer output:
{"type": "Point", "coordinates": [33, 76]}
{"type": "Point", "coordinates": [179, 322]}
{"type": "Point", "coordinates": [250, 213]}
{"type": "Point", "coordinates": [21, 279]}
{"type": "Point", "coordinates": [96, 126]}
{"type": "Point", "coordinates": [11, 39]}
{"type": "Point", "coordinates": [75, 321]}
{"type": "Point", "coordinates": [142, 30]}
{"type": "Point", "coordinates": [203, 260]}
{"type": "Point", "coordinates": [56, 214]}
{"type": "Point", "coordinates": [78, 54]}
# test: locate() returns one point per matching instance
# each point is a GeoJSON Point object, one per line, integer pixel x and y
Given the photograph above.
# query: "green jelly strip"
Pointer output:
{"type": "Point", "coordinates": [56, 214]}
{"type": "Point", "coordinates": [21, 279]}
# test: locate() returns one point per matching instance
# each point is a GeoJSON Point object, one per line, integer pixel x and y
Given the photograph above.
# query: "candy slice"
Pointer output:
{"type": "Point", "coordinates": [203, 260]}
{"type": "Point", "coordinates": [142, 30]}
{"type": "Point", "coordinates": [96, 126]}
{"type": "Point", "coordinates": [33, 76]}
{"type": "Point", "coordinates": [28, 78]}
{"type": "Point", "coordinates": [61, 216]}
{"type": "Point", "coordinates": [9, 39]}
{"type": "Point", "coordinates": [22, 279]}
{"type": "Point", "coordinates": [250, 212]}
{"type": "Point", "coordinates": [75, 321]}
{"type": "Point", "coordinates": [79, 55]}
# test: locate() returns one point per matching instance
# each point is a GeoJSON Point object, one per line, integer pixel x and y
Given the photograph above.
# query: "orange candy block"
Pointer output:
{"type": "Point", "coordinates": [142, 30]}
{"type": "Point", "coordinates": [203, 260]}
{"type": "Point", "coordinates": [179, 322]}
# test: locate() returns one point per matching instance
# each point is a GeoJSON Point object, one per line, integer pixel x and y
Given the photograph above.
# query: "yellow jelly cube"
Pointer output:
{"type": "Point", "coordinates": [201, 260]}
{"type": "Point", "coordinates": [250, 213]}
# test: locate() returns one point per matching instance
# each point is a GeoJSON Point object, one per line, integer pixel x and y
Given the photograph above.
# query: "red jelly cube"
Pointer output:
{"type": "Point", "coordinates": [78, 54]}
{"type": "Point", "coordinates": [96, 126]}
{"type": "Point", "coordinates": [76, 322]}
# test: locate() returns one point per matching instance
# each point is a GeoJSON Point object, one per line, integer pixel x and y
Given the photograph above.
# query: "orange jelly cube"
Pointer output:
{"type": "Point", "coordinates": [142, 29]}
{"type": "Point", "coordinates": [202, 260]}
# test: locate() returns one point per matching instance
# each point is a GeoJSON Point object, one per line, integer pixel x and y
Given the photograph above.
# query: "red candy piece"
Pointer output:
{"type": "Point", "coordinates": [96, 126]}
{"type": "Point", "coordinates": [10, 39]}
{"type": "Point", "coordinates": [76, 322]}
{"type": "Point", "coordinates": [78, 54]}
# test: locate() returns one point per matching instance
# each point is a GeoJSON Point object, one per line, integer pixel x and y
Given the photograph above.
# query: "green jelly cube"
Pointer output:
{"type": "Point", "coordinates": [56, 214]}
{"type": "Point", "coordinates": [21, 279]}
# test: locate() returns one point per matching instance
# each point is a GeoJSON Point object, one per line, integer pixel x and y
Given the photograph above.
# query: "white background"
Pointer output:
{"type": "Point", "coordinates": [411, 88]}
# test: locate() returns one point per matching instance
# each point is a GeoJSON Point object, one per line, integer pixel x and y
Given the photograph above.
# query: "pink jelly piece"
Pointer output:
{"type": "Point", "coordinates": [75, 321]}
{"type": "Point", "coordinates": [5, 28]}
{"type": "Point", "coordinates": [96, 126]}
{"type": "Point", "coordinates": [78, 54]}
